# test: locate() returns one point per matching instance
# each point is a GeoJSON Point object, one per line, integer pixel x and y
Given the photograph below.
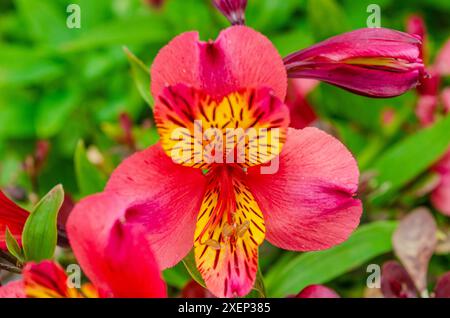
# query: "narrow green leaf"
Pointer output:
{"type": "Point", "coordinates": [320, 267]}
{"type": "Point", "coordinates": [409, 158]}
{"type": "Point", "coordinates": [258, 290]}
{"type": "Point", "coordinates": [40, 233]}
{"type": "Point", "coordinates": [176, 276]}
{"type": "Point", "coordinates": [90, 180]}
{"type": "Point", "coordinates": [141, 76]}
{"type": "Point", "coordinates": [189, 262]}
{"type": "Point", "coordinates": [13, 247]}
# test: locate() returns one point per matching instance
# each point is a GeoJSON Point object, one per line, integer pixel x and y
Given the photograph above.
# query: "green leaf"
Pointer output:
{"type": "Point", "coordinates": [90, 179]}
{"type": "Point", "coordinates": [40, 233]}
{"type": "Point", "coordinates": [326, 18]}
{"type": "Point", "coordinates": [320, 267]}
{"type": "Point", "coordinates": [408, 159]}
{"type": "Point", "coordinates": [13, 247]}
{"type": "Point", "coordinates": [176, 276]}
{"type": "Point", "coordinates": [141, 76]}
{"type": "Point", "coordinates": [189, 263]}
{"type": "Point", "coordinates": [258, 290]}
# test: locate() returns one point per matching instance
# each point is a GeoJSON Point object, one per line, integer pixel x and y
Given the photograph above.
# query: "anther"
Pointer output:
{"type": "Point", "coordinates": [213, 244]}
{"type": "Point", "coordinates": [242, 228]}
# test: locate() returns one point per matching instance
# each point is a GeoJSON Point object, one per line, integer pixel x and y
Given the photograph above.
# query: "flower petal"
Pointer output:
{"type": "Point", "coordinates": [113, 251]}
{"type": "Point", "coordinates": [426, 109]}
{"type": "Point", "coordinates": [233, 10]}
{"type": "Point", "coordinates": [301, 113]}
{"type": "Point", "coordinates": [12, 217]}
{"type": "Point", "coordinates": [317, 291]}
{"type": "Point", "coordinates": [226, 243]}
{"type": "Point", "coordinates": [440, 197]}
{"type": "Point", "coordinates": [13, 289]}
{"type": "Point", "coordinates": [239, 58]}
{"type": "Point", "coordinates": [416, 25]}
{"type": "Point", "coordinates": [396, 282]}
{"type": "Point", "coordinates": [247, 127]}
{"type": "Point", "coordinates": [374, 62]}
{"type": "Point", "coordinates": [442, 289]}
{"type": "Point", "coordinates": [309, 204]}
{"type": "Point", "coordinates": [47, 279]}
{"type": "Point", "coordinates": [161, 195]}
{"type": "Point", "coordinates": [442, 63]}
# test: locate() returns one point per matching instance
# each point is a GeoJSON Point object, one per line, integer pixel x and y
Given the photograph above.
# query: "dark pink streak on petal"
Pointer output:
{"type": "Point", "coordinates": [309, 203]}
{"type": "Point", "coordinates": [239, 58]}
{"type": "Point", "coordinates": [395, 281]}
{"type": "Point", "coordinates": [317, 291]}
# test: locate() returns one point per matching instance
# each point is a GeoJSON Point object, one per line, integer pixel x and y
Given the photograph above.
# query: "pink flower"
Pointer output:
{"type": "Point", "coordinates": [123, 266]}
{"type": "Point", "coordinates": [317, 291]}
{"type": "Point", "coordinates": [224, 210]}
{"type": "Point", "coordinates": [233, 10]}
{"type": "Point", "coordinates": [374, 62]}
{"type": "Point", "coordinates": [301, 112]}
{"type": "Point", "coordinates": [430, 98]}
{"type": "Point", "coordinates": [12, 217]}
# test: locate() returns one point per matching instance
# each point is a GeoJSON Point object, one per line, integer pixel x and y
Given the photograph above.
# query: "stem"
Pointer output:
{"type": "Point", "coordinates": [10, 268]}
{"type": "Point", "coordinates": [8, 257]}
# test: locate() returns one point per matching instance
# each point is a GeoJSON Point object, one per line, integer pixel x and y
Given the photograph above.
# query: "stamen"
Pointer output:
{"type": "Point", "coordinates": [242, 228]}
{"type": "Point", "coordinates": [213, 244]}
{"type": "Point", "coordinates": [228, 230]}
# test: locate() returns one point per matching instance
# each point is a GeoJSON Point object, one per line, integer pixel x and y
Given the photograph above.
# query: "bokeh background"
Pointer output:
{"type": "Point", "coordinates": [70, 111]}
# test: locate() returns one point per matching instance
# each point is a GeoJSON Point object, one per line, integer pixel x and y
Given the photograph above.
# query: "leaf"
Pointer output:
{"type": "Point", "coordinates": [326, 18]}
{"type": "Point", "coordinates": [408, 159]}
{"type": "Point", "coordinates": [40, 234]}
{"type": "Point", "coordinates": [258, 290]}
{"type": "Point", "coordinates": [141, 76]}
{"type": "Point", "coordinates": [191, 266]}
{"type": "Point", "coordinates": [320, 267]}
{"type": "Point", "coordinates": [13, 247]}
{"type": "Point", "coordinates": [90, 180]}
{"type": "Point", "coordinates": [414, 242]}
{"type": "Point", "coordinates": [176, 276]}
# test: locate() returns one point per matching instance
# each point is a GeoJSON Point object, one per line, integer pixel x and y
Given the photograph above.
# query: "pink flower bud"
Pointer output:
{"type": "Point", "coordinates": [374, 62]}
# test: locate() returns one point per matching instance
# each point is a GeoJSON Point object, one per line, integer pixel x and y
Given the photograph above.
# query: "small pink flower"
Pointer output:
{"type": "Point", "coordinates": [375, 62]}
{"type": "Point", "coordinates": [301, 112]}
{"type": "Point", "coordinates": [120, 265]}
{"type": "Point", "coordinates": [431, 97]}
{"type": "Point", "coordinates": [12, 217]}
{"type": "Point", "coordinates": [224, 210]}
{"type": "Point", "coordinates": [233, 10]}
{"type": "Point", "coordinates": [317, 291]}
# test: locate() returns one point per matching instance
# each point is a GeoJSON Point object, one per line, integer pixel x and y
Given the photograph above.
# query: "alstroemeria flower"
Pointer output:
{"type": "Point", "coordinates": [12, 217]}
{"type": "Point", "coordinates": [233, 10]}
{"type": "Point", "coordinates": [375, 62]}
{"type": "Point", "coordinates": [122, 266]}
{"type": "Point", "coordinates": [431, 97]}
{"type": "Point", "coordinates": [225, 210]}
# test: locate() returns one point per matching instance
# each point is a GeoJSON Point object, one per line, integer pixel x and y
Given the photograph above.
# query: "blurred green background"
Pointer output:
{"type": "Point", "coordinates": [63, 86]}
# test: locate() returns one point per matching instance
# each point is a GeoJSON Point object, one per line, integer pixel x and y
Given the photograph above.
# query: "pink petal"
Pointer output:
{"type": "Point", "coordinates": [13, 290]}
{"type": "Point", "coordinates": [445, 95]}
{"type": "Point", "coordinates": [233, 10]}
{"type": "Point", "coordinates": [301, 113]}
{"type": "Point", "coordinates": [317, 291]}
{"type": "Point", "coordinates": [440, 197]}
{"type": "Point", "coordinates": [442, 63]}
{"type": "Point", "coordinates": [12, 217]}
{"type": "Point", "coordinates": [309, 204]}
{"type": "Point", "coordinates": [442, 289]}
{"type": "Point", "coordinates": [426, 109]}
{"type": "Point", "coordinates": [375, 62]}
{"type": "Point", "coordinates": [416, 25]}
{"type": "Point", "coordinates": [163, 196]}
{"type": "Point", "coordinates": [395, 281]}
{"type": "Point", "coordinates": [113, 251]}
{"type": "Point", "coordinates": [239, 58]}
